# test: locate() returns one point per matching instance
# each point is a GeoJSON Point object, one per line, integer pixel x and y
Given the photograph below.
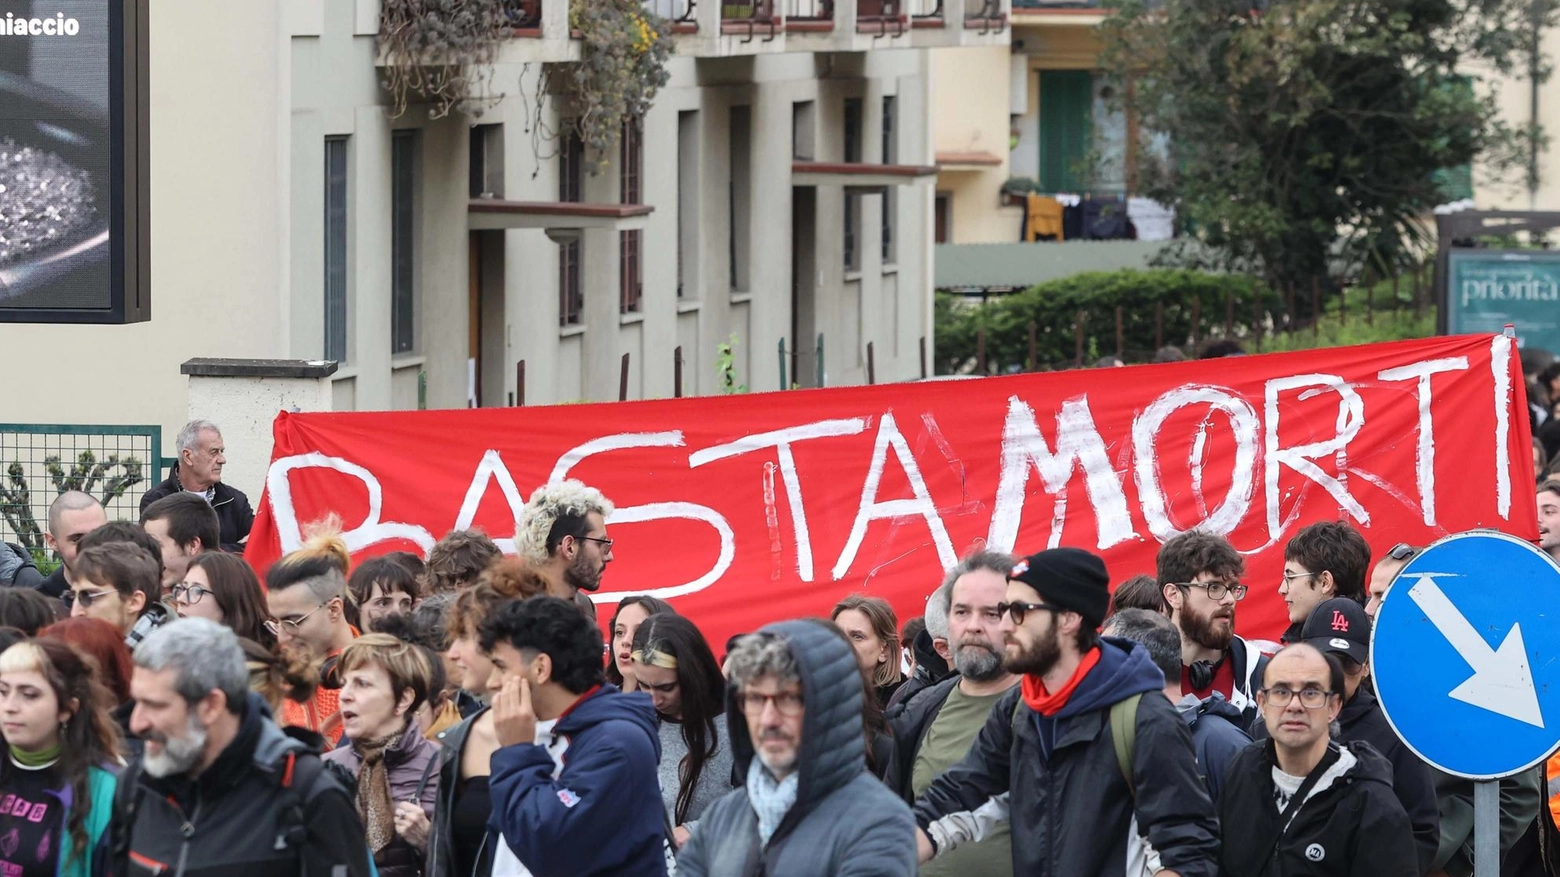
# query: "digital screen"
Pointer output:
{"type": "Point", "coordinates": [57, 158]}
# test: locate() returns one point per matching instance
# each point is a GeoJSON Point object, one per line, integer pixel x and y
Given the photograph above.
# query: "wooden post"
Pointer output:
{"type": "Point", "coordinates": [623, 380]}
{"type": "Point", "coordinates": [1078, 336]}
{"type": "Point", "coordinates": [1034, 355]}
{"type": "Point", "coordinates": [677, 365]}
{"type": "Point", "coordinates": [871, 366]}
{"type": "Point", "coordinates": [1121, 335]}
{"type": "Point", "coordinates": [520, 383]}
{"type": "Point", "coordinates": [1159, 325]}
{"type": "Point", "coordinates": [924, 374]}
{"type": "Point", "coordinates": [980, 350]}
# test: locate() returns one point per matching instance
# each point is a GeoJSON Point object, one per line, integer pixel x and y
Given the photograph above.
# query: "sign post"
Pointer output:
{"type": "Point", "coordinates": [1464, 648]}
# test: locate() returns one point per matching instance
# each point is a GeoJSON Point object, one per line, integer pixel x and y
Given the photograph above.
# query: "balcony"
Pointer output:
{"type": "Point", "coordinates": [541, 33]}
{"type": "Point", "coordinates": [951, 23]}
{"type": "Point", "coordinates": [1074, 13]}
{"type": "Point", "coordinates": [681, 13]}
{"type": "Point", "coordinates": [845, 26]}
{"type": "Point", "coordinates": [725, 28]}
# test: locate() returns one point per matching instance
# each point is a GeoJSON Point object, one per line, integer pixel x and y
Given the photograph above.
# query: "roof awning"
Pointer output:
{"type": "Point", "coordinates": [967, 161]}
{"type": "Point", "coordinates": [485, 214]}
{"type": "Point", "coordinates": [855, 175]}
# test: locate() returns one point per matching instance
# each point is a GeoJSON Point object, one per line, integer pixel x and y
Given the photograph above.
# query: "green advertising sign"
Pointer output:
{"type": "Point", "coordinates": [1487, 289]}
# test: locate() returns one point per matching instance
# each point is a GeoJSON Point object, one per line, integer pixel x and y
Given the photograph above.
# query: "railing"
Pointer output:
{"type": "Point", "coordinates": [881, 17]}
{"type": "Point", "coordinates": [675, 11]}
{"type": "Point", "coordinates": [523, 14]}
{"type": "Point", "coordinates": [1056, 4]}
{"type": "Point", "coordinates": [752, 17]}
{"type": "Point", "coordinates": [986, 14]}
{"type": "Point", "coordinates": [925, 9]}
{"type": "Point", "coordinates": [809, 11]}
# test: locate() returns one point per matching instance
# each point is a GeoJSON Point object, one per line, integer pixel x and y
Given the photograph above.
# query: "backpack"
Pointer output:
{"type": "Point", "coordinates": [1123, 733]}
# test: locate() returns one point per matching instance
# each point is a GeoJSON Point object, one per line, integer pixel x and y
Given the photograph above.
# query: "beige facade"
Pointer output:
{"type": "Point", "coordinates": [255, 105]}
{"type": "Point", "coordinates": [1520, 103]}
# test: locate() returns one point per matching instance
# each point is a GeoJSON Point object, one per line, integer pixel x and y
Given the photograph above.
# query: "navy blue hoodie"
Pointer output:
{"type": "Point", "coordinates": [603, 813]}
{"type": "Point", "coordinates": [1122, 671]}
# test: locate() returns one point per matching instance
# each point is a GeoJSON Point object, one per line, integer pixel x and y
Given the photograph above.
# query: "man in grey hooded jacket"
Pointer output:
{"type": "Point", "coordinates": [809, 806]}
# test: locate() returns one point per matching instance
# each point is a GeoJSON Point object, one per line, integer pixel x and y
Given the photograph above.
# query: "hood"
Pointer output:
{"type": "Point", "coordinates": [928, 664]}
{"type": "Point", "coordinates": [608, 703]}
{"type": "Point", "coordinates": [11, 560]}
{"type": "Point", "coordinates": [1357, 762]}
{"type": "Point", "coordinates": [1362, 705]}
{"type": "Point", "coordinates": [1193, 709]}
{"type": "Point", "coordinates": [834, 747]}
{"type": "Point", "coordinates": [1124, 669]}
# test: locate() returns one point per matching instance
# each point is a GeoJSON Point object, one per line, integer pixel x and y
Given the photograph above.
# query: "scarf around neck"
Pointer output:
{"type": "Point", "coordinates": [373, 790]}
{"type": "Point", "coordinates": [771, 800]}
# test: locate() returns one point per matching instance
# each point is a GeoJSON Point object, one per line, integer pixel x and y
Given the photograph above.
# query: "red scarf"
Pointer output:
{"type": "Point", "coordinates": [1044, 702]}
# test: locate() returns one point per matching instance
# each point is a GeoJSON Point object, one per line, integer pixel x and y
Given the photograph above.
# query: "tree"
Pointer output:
{"type": "Point", "coordinates": [1305, 132]}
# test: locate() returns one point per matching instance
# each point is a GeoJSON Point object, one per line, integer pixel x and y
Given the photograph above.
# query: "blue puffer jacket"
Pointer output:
{"type": "Point", "coordinates": [845, 823]}
{"type": "Point", "coordinates": [607, 790]}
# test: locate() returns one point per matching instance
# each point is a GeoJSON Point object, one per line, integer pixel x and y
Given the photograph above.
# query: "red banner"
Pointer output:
{"type": "Point", "coordinates": [746, 509]}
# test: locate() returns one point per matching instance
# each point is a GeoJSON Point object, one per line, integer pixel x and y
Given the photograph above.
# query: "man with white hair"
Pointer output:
{"type": "Point", "coordinates": [563, 532]}
{"type": "Point", "coordinates": [199, 471]}
{"type": "Point", "coordinates": [220, 789]}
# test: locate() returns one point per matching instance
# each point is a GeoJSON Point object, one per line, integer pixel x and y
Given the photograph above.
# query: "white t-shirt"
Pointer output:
{"type": "Point", "coordinates": [1285, 786]}
{"type": "Point", "coordinates": [505, 862]}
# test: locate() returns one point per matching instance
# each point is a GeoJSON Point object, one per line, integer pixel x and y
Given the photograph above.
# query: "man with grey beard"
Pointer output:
{"type": "Point", "coordinates": [220, 789]}
{"type": "Point", "coordinates": [937, 726]}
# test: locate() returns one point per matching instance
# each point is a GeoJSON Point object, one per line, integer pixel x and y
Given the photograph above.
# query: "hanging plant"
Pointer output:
{"type": "Point", "coordinates": [622, 65]}
{"type": "Point", "coordinates": [441, 51]}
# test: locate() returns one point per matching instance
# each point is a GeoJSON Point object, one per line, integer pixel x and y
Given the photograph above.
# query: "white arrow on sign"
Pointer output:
{"type": "Point", "coordinates": [1501, 681]}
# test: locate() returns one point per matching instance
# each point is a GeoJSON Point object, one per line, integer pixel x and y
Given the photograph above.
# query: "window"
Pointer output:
{"type": "Point", "coordinates": [944, 218]}
{"type": "Point", "coordinates": [1066, 128]}
{"type": "Point", "coordinates": [336, 248]}
{"type": "Point", "coordinates": [403, 241]}
{"type": "Point", "coordinates": [738, 225]}
{"type": "Point", "coordinates": [890, 194]}
{"type": "Point", "coordinates": [688, 190]}
{"type": "Point", "coordinates": [631, 270]}
{"type": "Point", "coordinates": [852, 150]}
{"type": "Point", "coordinates": [804, 127]}
{"type": "Point", "coordinates": [571, 185]}
{"type": "Point", "coordinates": [853, 129]}
{"type": "Point", "coordinates": [487, 161]}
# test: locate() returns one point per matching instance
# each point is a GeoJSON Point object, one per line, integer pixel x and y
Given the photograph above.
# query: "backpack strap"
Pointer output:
{"type": "Point", "coordinates": [1123, 736]}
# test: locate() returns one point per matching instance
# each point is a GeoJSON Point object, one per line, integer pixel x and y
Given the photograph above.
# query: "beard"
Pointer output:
{"type": "Point", "coordinates": [1208, 631]}
{"type": "Point", "coordinates": [978, 660]}
{"type": "Point", "coordinates": [1040, 658]}
{"type": "Point", "coordinates": [580, 576]}
{"type": "Point", "coordinates": [180, 754]}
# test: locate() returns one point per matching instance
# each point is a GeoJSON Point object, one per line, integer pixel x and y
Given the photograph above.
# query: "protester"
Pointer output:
{"type": "Point", "coordinates": [563, 531]}
{"type": "Point", "coordinates": [1087, 807]}
{"type": "Point", "coordinates": [1340, 628]}
{"type": "Point", "coordinates": [931, 650]}
{"type": "Point", "coordinates": [223, 588]}
{"type": "Point", "coordinates": [576, 756]}
{"type": "Point", "coordinates": [199, 471]}
{"type": "Point", "coordinates": [1386, 570]}
{"type": "Point", "coordinates": [58, 782]}
{"type": "Point", "coordinates": [1549, 518]}
{"type": "Point", "coordinates": [1216, 726]}
{"type": "Point", "coordinates": [631, 612]}
{"type": "Point", "coordinates": [458, 843]}
{"type": "Point", "coordinates": [1521, 801]}
{"type": "Point", "coordinates": [1322, 561]}
{"type": "Point", "coordinates": [438, 711]}
{"type": "Point", "coordinates": [17, 569]}
{"type": "Point", "coordinates": [873, 631]}
{"type": "Point", "coordinates": [384, 683]}
{"type": "Point", "coordinates": [1302, 804]}
{"type": "Point", "coordinates": [185, 527]}
{"type": "Point", "coordinates": [124, 531]}
{"type": "Point", "coordinates": [1199, 578]}
{"type": "Point", "coordinates": [382, 587]}
{"type": "Point", "coordinates": [281, 676]}
{"type": "Point", "coordinates": [306, 594]}
{"type": "Point", "coordinates": [675, 666]}
{"type": "Point", "coordinates": [72, 515]}
{"type": "Point", "coordinates": [109, 657]}
{"type": "Point", "coordinates": [456, 560]}
{"type": "Point", "coordinates": [429, 627]}
{"type": "Point", "coordinates": [809, 806]}
{"type": "Point", "coordinates": [1140, 592]}
{"type": "Point", "coordinates": [220, 789]}
{"type": "Point", "coordinates": [27, 610]}
{"type": "Point", "coordinates": [908, 631]}
{"type": "Point", "coordinates": [935, 729]}
{"type": "Point", "coordinates": [118, 583]}
{"type": "Point", "coordinates": [10, 636]}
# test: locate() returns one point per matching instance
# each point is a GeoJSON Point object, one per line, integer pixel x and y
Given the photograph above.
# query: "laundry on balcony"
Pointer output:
{"type": "Point", "coordinates": [1073, 217]}
{"type": "Point", "coordinates": [1042, 219]}
{"type": "Point", "coordinates": [1154, 221]}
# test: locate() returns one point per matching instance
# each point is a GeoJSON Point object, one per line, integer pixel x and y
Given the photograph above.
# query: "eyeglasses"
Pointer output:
{"type": "Point", "coordinates": [190, 594]}
{"type": "Point", "coordinates": [1402, 551]}
{"type": "Point", "coordinates": [604, 543]}
{"type": "Point", "coordinates": [69, 598]}
{"type": "Point", "coordinates": [787, 703]}
{"type": "Point", "coordinates": [1310, 698]}
{"type": "Point", "coordinates": [1216, 590]}
{"type": "Point", "coordinates": [1020, 610]}
{"type": "Point", "coordinates": [293, 625]}
{"type": "Point", "coordinates": [1289, 577]}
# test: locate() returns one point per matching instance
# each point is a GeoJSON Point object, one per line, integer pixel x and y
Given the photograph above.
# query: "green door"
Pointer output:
{"type": "Point", "coordinates": [1066, 128]}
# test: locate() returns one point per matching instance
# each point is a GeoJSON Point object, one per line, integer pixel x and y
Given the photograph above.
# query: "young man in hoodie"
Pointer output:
{"type": "Point", "coordinates": [1199, 576]}
{"type": "Point", "coordinates": [1301, 804]}
{"type": "Point", "coordinates": [574, 784]}
{"type": "Point", "coordinates": [1081, 802]}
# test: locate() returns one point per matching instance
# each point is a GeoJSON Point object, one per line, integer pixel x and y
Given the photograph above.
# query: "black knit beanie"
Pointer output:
{"type": "Point", "coordinates": [1070, 578]}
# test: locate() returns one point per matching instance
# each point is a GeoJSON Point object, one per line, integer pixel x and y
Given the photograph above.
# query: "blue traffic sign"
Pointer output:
{"type": "Point", "coordinates": [1465, 654]}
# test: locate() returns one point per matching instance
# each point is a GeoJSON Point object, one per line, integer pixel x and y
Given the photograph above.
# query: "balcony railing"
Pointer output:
{"type": "Point", "coordinates": [809, 11]}
{"type": "Point", "coordinates": [926, 10]}
{"type": "Point", "coordinates": [984, 14]}
{"type": "Point", "coordinates": [523, 14]}
{"type": "Point", "coordinates": [675, 11]}
{"type": "Point", "coordinates": [754, 18]}
{"type": "Point", "coordinates": [880, 16]}
{"type": "Point", "coordinates": [1056, 4]}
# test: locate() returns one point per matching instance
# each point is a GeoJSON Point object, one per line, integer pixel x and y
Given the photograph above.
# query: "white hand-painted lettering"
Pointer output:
{"type": "Point", "coordinates": [1424, 455]}
{"type": "Point", "coordinates": [1145, 434]}
{"type": "Point", "coordinates": [870, 510]}
{"type": "Point", "coordinates": [372, 531]}
{"type": "Point", "coordinates": [1300, 458]}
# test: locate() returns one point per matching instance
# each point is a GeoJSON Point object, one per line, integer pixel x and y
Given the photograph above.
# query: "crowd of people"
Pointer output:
{"type": "Point", "coordinates": [462, 714]}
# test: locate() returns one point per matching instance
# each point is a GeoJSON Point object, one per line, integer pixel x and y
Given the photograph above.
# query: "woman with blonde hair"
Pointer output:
{"type": "Point", "coordinates": [384, 682]}
{"type": "Point", "coordinates": [59, 775]}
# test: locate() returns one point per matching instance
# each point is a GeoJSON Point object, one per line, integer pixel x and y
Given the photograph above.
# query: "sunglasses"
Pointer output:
{"type": "Point", "coordinates": [1402, 551]}
{"type": "Point", "coordinates": [86, 598]}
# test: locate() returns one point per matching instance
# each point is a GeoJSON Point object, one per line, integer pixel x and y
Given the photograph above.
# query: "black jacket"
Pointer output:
{"type": "Point", "coordinates": [232, 508]}
{"type": "Point", "coordinates": [1350, 824]}
{"type": "Point", "coordinates": [1071, 810]}
{"type": "Point", "coordinates": [441, 843]}
{"type": "Point", "coordinates": [17, 569]}
{"type": "Point", "coordinates": [230, 821]}
{"type": "Point", "coordinates": [908, 720]}
{"type": "Point", "coordinates": [930, 669]}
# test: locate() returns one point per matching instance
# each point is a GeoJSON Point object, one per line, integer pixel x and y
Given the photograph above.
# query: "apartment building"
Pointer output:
{"type": "Point", "coordinates": [779, 192]}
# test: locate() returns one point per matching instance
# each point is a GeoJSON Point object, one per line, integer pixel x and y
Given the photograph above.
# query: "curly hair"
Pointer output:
{"type": "Point", "coordinates": [552, 627]}
{"type": "Point", "coordinates": [553, 512]}
{"type": "Point", "coordinates": [509, 579]}
{"type": "Point", "coordinates": [458, 558]}
{"type": "Point", "coordinates": [1184, 557]}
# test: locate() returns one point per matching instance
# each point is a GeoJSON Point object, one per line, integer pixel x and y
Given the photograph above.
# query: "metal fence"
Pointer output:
{"type": "Point", "coordinates": [116, 464]}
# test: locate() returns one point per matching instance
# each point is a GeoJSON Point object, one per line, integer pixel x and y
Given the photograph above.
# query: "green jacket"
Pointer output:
{"type": "Point", "coordinates": [1520, 799]}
